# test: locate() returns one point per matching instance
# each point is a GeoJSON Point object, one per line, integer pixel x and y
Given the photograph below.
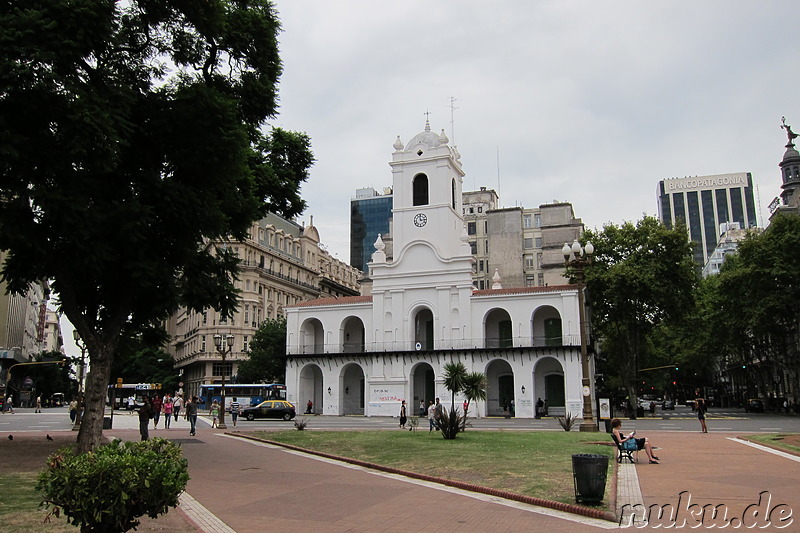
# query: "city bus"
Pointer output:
{"type": "Point", "coordinates": [247, 394]}
{"type": "Point", "coordinates": [119, 393]}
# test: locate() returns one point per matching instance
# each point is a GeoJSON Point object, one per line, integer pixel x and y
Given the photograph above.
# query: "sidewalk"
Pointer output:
{"type": "Point", "coordinates": [251, 486]}
{"type": "Point", "coordinates": [243, 486]}
{"type": "Point", "coordinates": [713, 469]}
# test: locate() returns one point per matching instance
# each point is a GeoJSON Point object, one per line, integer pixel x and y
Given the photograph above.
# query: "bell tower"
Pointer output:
{"type": "Point", "coordinates": [427, 180]}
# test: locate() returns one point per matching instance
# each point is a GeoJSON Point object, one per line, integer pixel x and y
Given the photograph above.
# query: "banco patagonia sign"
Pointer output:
{"type": "Point", "coordinates": [706, 182]}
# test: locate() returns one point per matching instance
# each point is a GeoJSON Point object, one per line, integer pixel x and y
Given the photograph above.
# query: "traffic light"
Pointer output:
{"type": "Point", "coordinates": [676, 368]}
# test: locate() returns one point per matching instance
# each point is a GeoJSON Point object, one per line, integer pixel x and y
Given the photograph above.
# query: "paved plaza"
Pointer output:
{"type": "Point", "coordinates": [240, 485]}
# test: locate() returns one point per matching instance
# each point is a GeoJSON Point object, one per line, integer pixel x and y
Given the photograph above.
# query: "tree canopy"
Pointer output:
{"type": "Point", "coordinates": [267, 355]}
{"type": "Point", "coordinates": [131, 137]}
{"type": "Point", "coordinates": [642, 278]}
{"type": "Point", "coordinates": [757, 324]}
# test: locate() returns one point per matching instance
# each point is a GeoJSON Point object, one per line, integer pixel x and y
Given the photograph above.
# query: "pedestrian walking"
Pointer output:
{"type": "Point", "coordinates": [214, 413]}
{"type": "Point", "coordinates": [38, 404]}
{"type": "Point", "coordinates": [403, 415]}
{"type": "Point", "coordinates": [168, 407]}
{"type": "Point", "coordinates": [431, 415]}
{"type": "Point", "coordinates": [176, 406]}
{"type": "Point", "coordinates": [422, 408]}
{"type": "Point", "coordinates": [73, 409]}
{"type": "Point", "coordinates": [191, 414]}
{"type": "Point", "coordinates": [131, 404]}
{"type": "Point", "coordinates": [156, 404]}
{"type": "Point", "coordinates": [235, 408]}
{"type": "Point", "coordinates": [145, 414]}
{"type": "Point", "coordinates": [309, 406]}
{"type": "Point", "coordinates": [701, 414]}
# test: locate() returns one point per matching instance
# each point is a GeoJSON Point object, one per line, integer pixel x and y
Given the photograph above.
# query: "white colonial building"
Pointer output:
{"type": "Point", "coordinates": [364, 354]}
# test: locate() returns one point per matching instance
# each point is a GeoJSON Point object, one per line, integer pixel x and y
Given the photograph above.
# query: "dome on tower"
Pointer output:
{"type": "Point", "coordinates": [426, 138]}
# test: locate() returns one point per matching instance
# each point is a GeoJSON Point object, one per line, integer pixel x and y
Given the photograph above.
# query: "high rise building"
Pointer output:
{"type": "Point", "coordinates": [370, 215]}
{"type": "Point", "coordinates": [703, 203]}
{"type": "Point", "coordinates": [522, 244]}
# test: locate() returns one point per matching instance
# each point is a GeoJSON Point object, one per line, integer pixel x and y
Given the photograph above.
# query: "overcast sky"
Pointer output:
{"type": "Point", "coordinates": [586, 102]}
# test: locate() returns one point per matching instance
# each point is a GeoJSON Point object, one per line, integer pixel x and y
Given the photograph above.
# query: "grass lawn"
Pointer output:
{"type": "Point", "coordinates": [537, 464]}
{"type": "Point", "coordinates": [784, 441]}
{"type": "Point", "coordinates": [19, 506]}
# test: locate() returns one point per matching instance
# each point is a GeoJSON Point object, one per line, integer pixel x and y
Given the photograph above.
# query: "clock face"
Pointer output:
{"type": "Point", "coordinates": [420, 219]}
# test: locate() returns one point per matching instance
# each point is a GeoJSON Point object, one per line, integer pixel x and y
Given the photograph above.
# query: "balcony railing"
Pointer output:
{"type": "Point", "coordinates": [443, 344]}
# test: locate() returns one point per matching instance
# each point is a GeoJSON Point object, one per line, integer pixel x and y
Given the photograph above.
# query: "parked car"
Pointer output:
{"type": "Point", "coordinates": [270, 409]}
{"type": "Point", "coordinates": [754, 405]}
{"type": "Point", "coordinates": [668, 404]}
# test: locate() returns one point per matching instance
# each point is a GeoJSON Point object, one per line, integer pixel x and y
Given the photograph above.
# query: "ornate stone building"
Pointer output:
{"type": "Point", "coordinates": [365, 354]}
{"type": "Point", "coordinates": [282, 264]}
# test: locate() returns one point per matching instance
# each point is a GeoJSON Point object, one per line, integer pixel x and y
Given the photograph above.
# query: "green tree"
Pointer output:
{"type": "Point", "coordinates": [642, 277]}
{"type": "Point", "coordinates": [51, 378]}
{"type": "Point", "coordinates": [131, 138]}
{"type": "Point", "coordinates": [757, 293]}
{"type": "Point", "coordinates": [474, 388]}
{"type": "Point", "coordinates": [266, 361]}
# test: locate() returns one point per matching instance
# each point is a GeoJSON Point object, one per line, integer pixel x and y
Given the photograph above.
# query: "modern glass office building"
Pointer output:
{"type": "Point", "coordinates": [370, 213]}
{"type": "Point", "coordinates": [702, 203]}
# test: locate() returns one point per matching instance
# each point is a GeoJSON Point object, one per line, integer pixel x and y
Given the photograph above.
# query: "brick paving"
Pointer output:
{"type": "Point", "coordinates": [244, 486]}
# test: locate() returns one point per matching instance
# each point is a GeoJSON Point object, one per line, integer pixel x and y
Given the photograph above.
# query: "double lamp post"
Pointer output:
{"type": "Point", "coordinates": [224, 345]}
{"type": "Point", "coordinates": [577, 257]}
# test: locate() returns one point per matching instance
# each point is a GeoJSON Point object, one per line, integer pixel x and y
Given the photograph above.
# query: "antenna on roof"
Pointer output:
{"type": "Point", "coordinates": [452, 121]}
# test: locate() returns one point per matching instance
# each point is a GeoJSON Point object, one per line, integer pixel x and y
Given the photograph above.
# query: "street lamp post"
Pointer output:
{"type": "Point", "coordinates": [224, 345]}
{"type": "Point", "coordinates": [82, 345]}
{"type": "Point", "coordinates": [577, 257]}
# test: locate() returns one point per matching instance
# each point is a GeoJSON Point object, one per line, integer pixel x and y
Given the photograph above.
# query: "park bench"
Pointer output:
{"type": "Point", "coordinates": [622, 452]}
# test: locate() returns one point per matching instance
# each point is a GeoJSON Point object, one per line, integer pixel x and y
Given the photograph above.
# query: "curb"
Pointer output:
{"type": "Point", "coordinates": [559, 506]}
{"type": "Point", "coordinates": [772, 446]}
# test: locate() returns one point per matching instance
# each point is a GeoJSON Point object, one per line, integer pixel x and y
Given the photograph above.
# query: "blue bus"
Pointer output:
{"type": "Point", "coordinates": [247, 394]}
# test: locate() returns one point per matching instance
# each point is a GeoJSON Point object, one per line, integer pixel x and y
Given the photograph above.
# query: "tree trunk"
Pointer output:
{"type": "Point", "coordinates": [90, 435]}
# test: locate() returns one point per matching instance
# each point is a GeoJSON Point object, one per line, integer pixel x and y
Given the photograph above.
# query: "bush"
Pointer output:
{"type": "Point", "coordinates": [108, 489]}
{"type": "Point", "coordinates": [301, 423]}
{"type": "Point", "coordinates": [567, 422]}
{"type": "Point", "coordinates": [449, 423]}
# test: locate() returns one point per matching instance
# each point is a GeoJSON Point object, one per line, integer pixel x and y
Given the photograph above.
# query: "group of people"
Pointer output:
{"type": "Point", "coordinates": [170, 406]}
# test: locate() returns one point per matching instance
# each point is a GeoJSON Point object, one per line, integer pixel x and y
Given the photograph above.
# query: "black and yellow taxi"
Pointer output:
{"type": "Point", "coordinates": [270, 409]}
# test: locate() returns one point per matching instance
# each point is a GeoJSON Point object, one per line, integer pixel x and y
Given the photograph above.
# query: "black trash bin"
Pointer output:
{"type": "Point", "coordinates": [106, 422]}
{"type": "Point", "coordinates": [589, 473]}
{"type": "Point", "coordinates": [608, 425]}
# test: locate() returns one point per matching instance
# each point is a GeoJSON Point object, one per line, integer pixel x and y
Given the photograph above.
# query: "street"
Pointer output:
{"type": "Point", "coordinates": [681, 419]}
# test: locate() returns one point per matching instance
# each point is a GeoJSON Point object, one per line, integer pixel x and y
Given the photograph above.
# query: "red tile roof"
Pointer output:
{"type": "Point", "coordinates": [344, 300]}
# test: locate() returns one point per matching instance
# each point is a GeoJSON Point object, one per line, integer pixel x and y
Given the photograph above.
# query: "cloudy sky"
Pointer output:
{"type": "Point", "coordinates": [580, 101]}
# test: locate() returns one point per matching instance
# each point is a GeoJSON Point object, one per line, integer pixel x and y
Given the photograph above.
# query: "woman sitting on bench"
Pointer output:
{"type": "Point", "coordinates": [631, 443]}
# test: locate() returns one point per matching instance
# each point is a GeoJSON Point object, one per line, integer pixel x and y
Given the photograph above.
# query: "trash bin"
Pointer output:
{"type": "Point", "coordinates": [589, 474]}
{"type": "Point", "coordinates": [608, 425]}
{"type": "Point", "coordinates": [106, 422]}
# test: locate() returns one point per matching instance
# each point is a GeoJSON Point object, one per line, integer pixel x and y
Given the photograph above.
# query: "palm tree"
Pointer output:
{"type": "Point", "coordinates": [474, 387]}
{"type": "Point", "coordinates": [454, 374]}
